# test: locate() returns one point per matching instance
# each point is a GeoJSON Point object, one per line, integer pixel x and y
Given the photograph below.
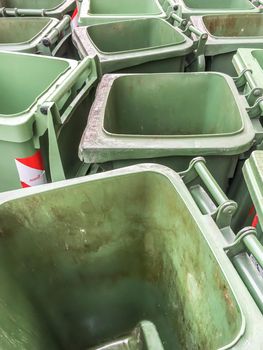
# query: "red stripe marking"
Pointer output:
{"type": "Point", "coordinates": [255, 221]}
{"type": "Point", "coordinates": [35, 161]}
{"type": "Point", "coordinates": [74, 13]}
{"type": "Point", "coordinates": [24, 185]}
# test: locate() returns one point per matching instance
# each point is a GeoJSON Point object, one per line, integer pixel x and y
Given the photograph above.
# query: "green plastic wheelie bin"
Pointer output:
{"type": "Point", "coordinates": [120, 46]}
{"type": "Point", "coordinates": [49, 8]}
{"type": "Point", "coordinates": [91, 258]}
{"type": "Point", "coordinates": [168, 119]}
{"type": "Point", "coordinates": [45, 35]}
{"type": "Point", "coordinates": [100, 11]}
{"type": "Point", "coordinates": [43, 107]}
{"type": "Point", "coordinates": [188, 8]}
{"type": "Point", "coordinates": [225, 34]}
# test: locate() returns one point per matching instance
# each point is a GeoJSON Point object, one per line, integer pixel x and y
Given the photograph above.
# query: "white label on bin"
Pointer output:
{"type": "Point", "coordinates": [31, 170]}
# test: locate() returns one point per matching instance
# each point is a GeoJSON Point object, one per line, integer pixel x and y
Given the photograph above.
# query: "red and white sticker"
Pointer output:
{"type": "Point", "coordinates": [31, 170]}
{"type": "Point", "coordinates": [74, 19]}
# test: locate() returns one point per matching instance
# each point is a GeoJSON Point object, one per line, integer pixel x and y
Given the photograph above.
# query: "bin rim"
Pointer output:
{"type": "Point", "coordinates": [183, 37]}
{"type": "Point", "coordinates": [215, 242]}
{"type": "Point", "coordinates": [50, 25]}
{"type": "Point", "coordinates": [97, 145]}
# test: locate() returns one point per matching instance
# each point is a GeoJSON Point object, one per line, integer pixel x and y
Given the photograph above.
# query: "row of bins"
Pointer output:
{"type": "Point", "coordinates": [146, 252]}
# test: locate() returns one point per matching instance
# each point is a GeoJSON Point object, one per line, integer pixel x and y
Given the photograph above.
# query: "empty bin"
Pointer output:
{"type": "Point", "coordinates": [227, 33]}
{"type": "Point", "coordinates": [100, 11]}
{"type": "Point", "coordinates": [187, 8]}
{"type": "Point", "coordinates": [91, 257]}
{"type": "Point", "coordinates": [49, 8]}
{"type": "Point", "coordinates": [167, 118]}
{"type": "Point", "coordinates": [121, 45]}
{"type": "Point", "coordinates": [27, 34]}
{"type": "Point", "coordinates": [43, 106]}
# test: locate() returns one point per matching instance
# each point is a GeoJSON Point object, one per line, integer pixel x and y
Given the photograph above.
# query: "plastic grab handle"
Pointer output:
{"type": "Point", "coordinates": [246, 242]}
{"type": "Point", "coordinates": [15, 12]}
{"type": "Point", "coordinates": [54, 34]}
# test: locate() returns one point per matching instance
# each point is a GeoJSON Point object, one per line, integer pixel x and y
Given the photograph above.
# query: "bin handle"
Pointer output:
{"type": "Point", "coordinates": [254, 97]}
{"type": "Point", "coordinates": [49, 114]}
{"type": "Point", "coordinates": [199, 49]}
{"type": "Point", "coordinates": [225, 207]}
{"type": "Point", "coordinates": [52, 37]}
{"type": "Point", "coordinates": [246, 241]}
{"type": "Point", "coordinates": [86, 66]}
{"type": "Point", "coordinates": [16, 12]}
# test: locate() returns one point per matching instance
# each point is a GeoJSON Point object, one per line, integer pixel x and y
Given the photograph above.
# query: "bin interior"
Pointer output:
{"type": "Point", "coordinates": [24, 78]}
{"type": "Point", "coordinates": [219, 4]}
{"type": "Point", "coordinates": [166, 104]}
{"type": "Point", "coordinates": [96, 258]}
{"type": "Point", "coordinates": [20, 30]}
{"type": "Point", "coordinates": [236, 25]}
{"type": "Point", "coordinates": [124, 7]}
{"type": "Point", "coordinates": [258, 55]}
{"type": "Point", "coordinates": [127, 35]}
{"type": "Point", "coordinates": [31, 4]}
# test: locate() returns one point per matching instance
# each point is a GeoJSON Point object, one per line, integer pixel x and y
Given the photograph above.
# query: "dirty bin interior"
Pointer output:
{"type": "Point", "coordinates": [93, 259]}
{"type": "Point", "coordinates": [219, 4]}
{"type": "Point", "coordinates": [235, 25]}
{"type": "Point", "coordinates": [188, 104]}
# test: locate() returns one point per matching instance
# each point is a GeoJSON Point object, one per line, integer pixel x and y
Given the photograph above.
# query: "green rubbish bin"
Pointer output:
{"type": "Point", "coordinates": [43, 107]}
{"type": "Point", "coordinates": [188, 8]}
{"type": "Point", "coordinates": [100, 11]}
{"type": "Point", "coordinates": [90, 258]}
{"type": "Point", "coordinates": [49, 8]}
{"type": "Point", "coordinates": [225, 34]}
{"type": "Point", "coordinates": [121, 46]}
{"type": "Point", "coordinates": [167, 118]}
{"type": "Point", "coordinates": [39, 35]}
